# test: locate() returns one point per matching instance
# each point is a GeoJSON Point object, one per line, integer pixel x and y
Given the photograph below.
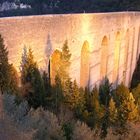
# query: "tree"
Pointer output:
{"type": "Point", "coordinates": [47, 84]}
{"type": "Point", "coordinates": [121, 94]}
{"type": "Point", "coordinates": [68, 130]}
{"type": "Point", "coordinates": [63, 71]}
{"type": "Point", "coordinates": [31, 75]}
{"type": "Point", "coordinates": [95, 109]}
{"type": "Point", "coordinates": [4, 67]}
{"type": "Point", "coordinates": [75, 100]}
{"type": "Point", "coordinates": [133, 108]}
{"type": "Point", "coordinates": [105, 92]}
{"type": "Point", "coordinates": [14, 81]}
{"type": "Point", "coordinates": [112, 112]}
{"type": "Point", "coordinates": [136, 94]}
{"type": "Point", "coordinates": [57, 97]}
{"type": "Point", "coordinates": [136, 75]}
{"type": "Point", "coordinates": [125, 107]}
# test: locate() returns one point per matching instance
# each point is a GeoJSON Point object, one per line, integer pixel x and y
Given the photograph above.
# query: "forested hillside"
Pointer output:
{"type": "Point", "coordinates": [69, 6]}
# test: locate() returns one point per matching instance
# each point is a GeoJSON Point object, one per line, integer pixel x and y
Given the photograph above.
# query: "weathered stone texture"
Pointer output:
{"type": "Point", "coordinates": [32, 31]}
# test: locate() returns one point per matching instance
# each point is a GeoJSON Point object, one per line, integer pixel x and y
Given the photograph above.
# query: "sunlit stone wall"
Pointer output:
{"type": "Point", "coordinates": [113, 43]}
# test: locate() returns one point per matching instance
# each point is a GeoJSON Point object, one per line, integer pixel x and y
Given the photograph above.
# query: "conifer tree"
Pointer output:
{"type": "Point", "coordinates": [47, 84]}
{"type": "Point", "coordinates": [136, 94]}
{"type": "Point", "coordinates": [23, 65]}
{"type": "Point", "coordinates": [96, 108]}
{"type": "Point", "coordinates": [133, 108]}
{"type": "Point", "coordinates": [14, 81]}
{"type": "Point", "coordinates": [31, 75]}
{"type": "Point", "coordinates": [74, 99]}
{"type": "Point", "coordinates": [63, 72]}
{"type": "Point", "coordinates": [57, 94]}
{"type": "Point", "coordinates": [4, 67]}
{"type": "Point", "coordinates": [105, 92]}
{"type": "Point", "coordinates": [68, 90]}
{"type": "Point", "coordinates": [112, 111]}
{"type": "Point", "coordinates": [121, 94]}
{"type": "Point", "coordinates": [87, 95]}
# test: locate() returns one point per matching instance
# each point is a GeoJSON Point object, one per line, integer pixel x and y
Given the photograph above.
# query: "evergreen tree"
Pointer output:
{"type": "Point", "coordinates": [68, 130]}
{"type": "Point", "coordinates": [63, 72]}
{"type": "Point", "coordinates": [133, 109]}
{"type": "Point", "coordinates": [88, 98]}
{"type": "Point", "coordinates": [105, 124]}
{"type": "Point", "coordinates": [47, 84]}
{"type": "Point", "coordinates": [68, 90]}
{"type": "Point", "coordinates": [4, 67]}
{"type": "Point", "coordinates": [126, 111]}
{"type": "Point", "coordinates": [14, 81]}
{"type": "Point", "coordinates": [121, 94]}
{"type": "Point", "coordinates": [57, 94]}
{"type": "Point", "coordinates": [112, 112]}
{"type": "Point", "coordinates": [31, 75]}
{"type": "Point", "coordinates": [105, 92]}
{"type": "Point", "coordinates": [76, 99]}
{"type": "Point", "coordinates": [122, 117]}
{"type": "Point", "coordinates": [136, 75]}
{"type": "Point", "coordinates": [136, 94]}
{"type": "Point", "coordinates": [97, 110]}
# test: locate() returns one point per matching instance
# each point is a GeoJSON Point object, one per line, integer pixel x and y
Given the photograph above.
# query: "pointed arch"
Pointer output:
{"type": "Point", "coordinates": [54, 65]}
{"type": "Point", "coordinates": [116, 57]}
{"type": "Point", "coordinates": [84, 71]}
{"type": "Point", "coordinates": [104, 57]}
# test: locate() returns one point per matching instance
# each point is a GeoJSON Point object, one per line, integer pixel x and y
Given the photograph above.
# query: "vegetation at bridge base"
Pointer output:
{"type": "Point", "coordinates": [8, 75]}
{"type": "Point", "coordinates": [65, 111]}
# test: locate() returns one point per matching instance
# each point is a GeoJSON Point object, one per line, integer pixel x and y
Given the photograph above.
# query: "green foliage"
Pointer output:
{"type": "Point", "coordinates": [105, 92]}
{"type": "Point", "coordinates": [127, 110]}
{"type": "Point", "coordinates": [57, 97]}
{"type": "Point", "coordinates": [136, 94]}
{"type": "Point", "coordinates": [14, 81]}
{"type": "Point", "coordinates": [75, 99]}
{"type": "Point", "coordinates": [112, 112]}
{"type": "Point", "coordinates": [93, 111]}
{"type": "Point", "coordinates": [4, 67]}
{"type": "Point", "coordinates": [121, 97]}
{"type": "Point", "coordinates": [68, 131]}
{"type": "Point", "coordinates": [136, 75]}
{"type": "Point", "coordinates": [105, 124]}
{"type": "Point", "coordinates": [121, 94]}
{"type": "Point", "coordinates": [63, 72]}
{"type": "Point", "coordinates": [31, 75]}
{"type": "Point", "coordinates": [46, 82]}
{"type": "Point", "coordinates": [122, 117]}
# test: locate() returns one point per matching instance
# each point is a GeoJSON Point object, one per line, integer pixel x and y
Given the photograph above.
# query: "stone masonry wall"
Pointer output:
{"type": "Point", "coordinates": [120, 30]}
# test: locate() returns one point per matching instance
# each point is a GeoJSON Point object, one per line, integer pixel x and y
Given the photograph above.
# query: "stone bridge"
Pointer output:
{"type": "Point", "coordinates": [102, 44]}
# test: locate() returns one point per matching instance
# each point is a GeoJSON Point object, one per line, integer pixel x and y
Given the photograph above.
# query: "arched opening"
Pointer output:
{"type": "Point", "coordinates": [125, 71]}
{"type": "Point", "coordinates": [84, 71]}
{"type": "Point", "coordinates": [104, 57]}
{"type": "Point", "coordinates": [116, 57]}
{"type": "Point", "coordinates": [54, 65]}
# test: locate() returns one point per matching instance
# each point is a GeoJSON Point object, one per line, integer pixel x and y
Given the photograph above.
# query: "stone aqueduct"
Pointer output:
{"type": "Point", "coordinates": [102, 44]}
